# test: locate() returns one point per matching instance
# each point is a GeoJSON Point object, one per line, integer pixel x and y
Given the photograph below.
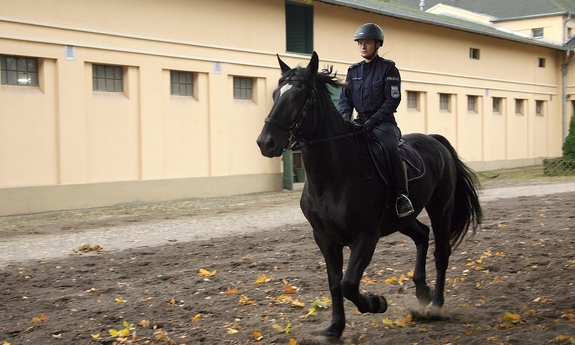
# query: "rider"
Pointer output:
{"type": "Point", "coordinates": [373, 89]}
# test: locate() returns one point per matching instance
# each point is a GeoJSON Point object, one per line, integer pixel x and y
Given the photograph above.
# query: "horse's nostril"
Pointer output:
{"type": "Point", "coordinates": [270, 144]}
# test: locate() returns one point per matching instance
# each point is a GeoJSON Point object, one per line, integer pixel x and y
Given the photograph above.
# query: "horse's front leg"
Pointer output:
{"type": "Point", "coordinates": [360, 257]}
{"type": "Point", "coordinates": [333, 256]}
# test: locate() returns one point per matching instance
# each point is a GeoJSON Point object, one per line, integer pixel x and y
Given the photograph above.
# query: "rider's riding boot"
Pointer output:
{"type": "Point", "coordinates": [403, 205]}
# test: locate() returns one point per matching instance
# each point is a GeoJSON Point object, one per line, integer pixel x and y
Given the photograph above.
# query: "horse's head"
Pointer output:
{"type": "Point", "coordinates": [294, 96]}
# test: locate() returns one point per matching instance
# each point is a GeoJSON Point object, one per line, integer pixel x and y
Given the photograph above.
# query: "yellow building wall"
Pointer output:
{"type": "Point", "coordinates": [553, 26]}
{"type": "Point", "coordinates": [63, 145]}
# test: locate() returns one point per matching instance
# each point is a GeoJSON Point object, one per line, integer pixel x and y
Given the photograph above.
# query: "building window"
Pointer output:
{"type": "Point", "coordinates": [445, 101]}
{"type": "Point", "coordinates": [540, 108]}
{"type": "Point", "coordinates": [540, 62]}
{"type": "Point", "coordinates": [413, 100]}
{"type": "Point", "coordinates": [472, 103]}
{"type": "Point", "coordinates": [19, 70]}
{"type": "Point", "coordinates": [537, 33]}
{"type": "Point", "coordinates": [519, 107]}
{"type": "Point", "coordinates": [107, 78]}
{"type": "Point", "coordinates": [181, 83]}
{"type": "Point", "coordinates": [474, 53]}
{"type": "Point", "coordinates": [497, 101]}
{"type": "Point", "coordinates": [299, 28]}
{"type": "Point", "coordinates": [243, 88]}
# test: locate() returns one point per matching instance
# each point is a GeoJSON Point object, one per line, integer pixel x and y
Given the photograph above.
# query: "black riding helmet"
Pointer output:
{"type": "Point", "coordinates": [369, 31]}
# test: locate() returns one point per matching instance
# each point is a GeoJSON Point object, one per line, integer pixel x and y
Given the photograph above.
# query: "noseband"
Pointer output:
{"type": "Point", "coordinates": [296, 140]}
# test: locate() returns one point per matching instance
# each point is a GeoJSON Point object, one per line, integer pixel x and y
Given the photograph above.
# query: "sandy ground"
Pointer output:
{"type": "Point", "coordinates": [245, 270]}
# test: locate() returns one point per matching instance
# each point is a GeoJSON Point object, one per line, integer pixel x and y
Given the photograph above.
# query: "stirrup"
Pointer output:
{"type": "Point", "coordinates": [406, 211]}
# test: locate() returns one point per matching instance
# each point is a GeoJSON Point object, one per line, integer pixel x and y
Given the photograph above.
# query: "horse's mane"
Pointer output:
{"type": "Point", "coordinates": [320, 81]}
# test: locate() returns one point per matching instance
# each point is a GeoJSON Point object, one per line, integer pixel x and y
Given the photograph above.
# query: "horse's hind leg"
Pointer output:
{"type": "Point", "coordinates": [441, 224]}
{"type": "Point", "coordinates": [419, 233]}
{"type": "Point", "coordinates": [333, 257]}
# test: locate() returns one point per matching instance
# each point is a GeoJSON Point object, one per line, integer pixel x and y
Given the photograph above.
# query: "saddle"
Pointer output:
{"type": "Point", "coordinates": [380, 158]}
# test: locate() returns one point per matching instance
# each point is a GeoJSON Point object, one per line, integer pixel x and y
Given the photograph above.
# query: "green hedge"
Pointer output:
{"type": "Point", "coordinates": [569, 144]}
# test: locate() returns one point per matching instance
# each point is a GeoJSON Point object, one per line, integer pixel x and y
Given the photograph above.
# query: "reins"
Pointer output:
{"type": "Point", "coordinates": [296, 140]}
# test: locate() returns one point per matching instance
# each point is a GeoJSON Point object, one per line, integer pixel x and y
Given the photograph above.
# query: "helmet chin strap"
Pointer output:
{"type": "Point", "coordinates": [372, 55]}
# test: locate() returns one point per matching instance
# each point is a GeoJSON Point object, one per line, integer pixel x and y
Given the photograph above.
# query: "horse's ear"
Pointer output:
{"type": "Point", "coordinates": [313, 64]}
{"type": "Point", "coordinates": [285, 68]}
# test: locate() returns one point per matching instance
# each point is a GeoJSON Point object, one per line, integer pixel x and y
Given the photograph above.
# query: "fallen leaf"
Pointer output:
{"type": "Point", "coordinates": [96, 336]}
{"type": "Point", "coordinates": [196, 317]}
{"type": "Point", "coordinates": [257, 336]}
{"type": "Point", "coordinates": [289, 289]}
{"type": "Point", "coordinates": [387, 322]}
{"type": "Point", "coordinates": [245, 300]}
{"type": "Point", "coordinates": [232, 331]}
{"type": "Point", "coordinates": [120, 300]}
{"type": "Point", "coordinates": [513, 318]}
{"type": "Point", "coordinates": [206, 273]}
{"type": "Point", "coordinates": [39, 319]}
{"type": "Point", "coordinates": [292, 341]}
{"type": "Point", "coordinates": [262, 279]}
{"type": "Point", "coordinates": [281, 329]}
{"type": "Point", "coordinates": [119, 334]}
{"type": "Point", "coordinates": [230, 291]}
{"type": "Point", "coordinates": [391, 280]}
{"type": "Point", "coordinates": [311, 312]}
{"type": "Point", "coordinates": [88, 248]}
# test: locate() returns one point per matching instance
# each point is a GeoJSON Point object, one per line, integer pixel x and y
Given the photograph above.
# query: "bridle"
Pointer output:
{"type": "Point", "coordinates": [296, 140]}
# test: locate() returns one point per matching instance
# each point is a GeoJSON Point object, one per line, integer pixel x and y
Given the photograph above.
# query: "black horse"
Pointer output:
{"type": "Point", "coordinates": [348, 205]}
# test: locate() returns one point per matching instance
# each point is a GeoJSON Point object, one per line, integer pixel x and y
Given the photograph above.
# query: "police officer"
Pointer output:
{"type": "Point", "coordinates": [373, 89]}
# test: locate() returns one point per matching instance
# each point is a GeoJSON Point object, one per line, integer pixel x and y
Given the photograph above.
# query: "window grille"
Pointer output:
{"type": "Point", "coordinates": [519, 106]}
{"type": "Point", "coordinates": [19, 70]}
{"type": "Point", "coordinates": [107, 78]}
{"type": "Point", "coordinates": [181, 83]}
{"type": "Point", "coordinates": [243, 88]}
{"type": "Point", "coordinates": [472, 103]}
{"type": "Point", "coordinates": [412, 100]}
{"type": "Point", "coordinates": [497, 105]}
{"type": "Point", "coordinates": [444, 101]}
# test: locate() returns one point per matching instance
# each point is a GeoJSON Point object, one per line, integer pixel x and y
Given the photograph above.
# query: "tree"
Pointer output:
{"type": "Point", "coordinates": [569, 144]}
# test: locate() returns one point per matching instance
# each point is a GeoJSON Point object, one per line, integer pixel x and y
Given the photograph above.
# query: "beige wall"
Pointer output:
{"type": "Point", "coordinates": [553, 26]}
{"type": "Point", "coordinates": [63, 145]}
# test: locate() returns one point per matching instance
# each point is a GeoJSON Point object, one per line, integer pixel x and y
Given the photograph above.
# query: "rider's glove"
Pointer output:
{"type": "Point", "coordinates": [370, 124]}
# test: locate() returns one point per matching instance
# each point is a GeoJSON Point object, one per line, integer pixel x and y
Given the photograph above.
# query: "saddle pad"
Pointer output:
{"type": "Point", "coordinates": [413, 161]}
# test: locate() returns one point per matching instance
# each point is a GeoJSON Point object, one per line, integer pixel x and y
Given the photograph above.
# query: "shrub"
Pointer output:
{"type": "Point", "coordinates": [569, 144]}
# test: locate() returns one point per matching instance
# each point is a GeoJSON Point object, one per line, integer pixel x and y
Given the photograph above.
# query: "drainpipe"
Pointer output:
{"type": "Point", "coordinates": [564, 71]}
{"type": "Point", "coordinates": [422, 5]}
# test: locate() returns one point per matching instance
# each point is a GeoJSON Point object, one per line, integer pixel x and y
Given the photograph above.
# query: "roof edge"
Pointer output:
{"type": "Point", "coordinates": [405, 13]}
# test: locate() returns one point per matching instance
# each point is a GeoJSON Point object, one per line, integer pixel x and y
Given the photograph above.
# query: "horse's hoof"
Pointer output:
{"type": "Point", "coordinates": [382, 305]}
{"type": "Point", "coordinates": [324, 339]}
{"type": "Point", "coordinates": [432, 309]}
{"type": "Point", "coordinates": [331, 333]}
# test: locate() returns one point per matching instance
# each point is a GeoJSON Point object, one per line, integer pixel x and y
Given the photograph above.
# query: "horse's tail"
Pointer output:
{"type": "Point", "coordinates": [467, 209]}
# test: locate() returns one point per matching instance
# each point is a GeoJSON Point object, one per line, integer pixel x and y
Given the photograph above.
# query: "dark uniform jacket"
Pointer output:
{"type": "Point", "coordinates": [373, 89]}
